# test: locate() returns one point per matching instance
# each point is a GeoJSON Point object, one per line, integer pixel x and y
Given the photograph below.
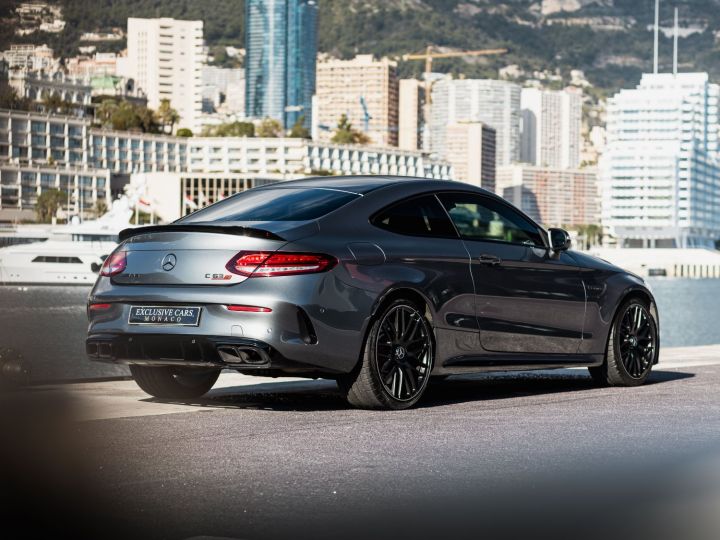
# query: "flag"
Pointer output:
{"type": "Point", "coordinates": [144, 204]}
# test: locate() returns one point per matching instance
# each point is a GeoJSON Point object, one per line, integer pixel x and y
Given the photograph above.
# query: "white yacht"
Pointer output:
{"type": "Point", "coordinates": [72, 254]}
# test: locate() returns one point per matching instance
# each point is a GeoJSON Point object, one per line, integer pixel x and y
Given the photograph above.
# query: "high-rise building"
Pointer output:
{"type": "Point", "coordinates": [660, 169]}
{"type": "Point", "coordinates": [553, 197]}
{"type": "Point", "coordinates": [281, 51]}
{"type": "Point", "coordinates": [551, 127]}
{"type": "Point", "coordinates": [471, 152]}
{"type": "Point", "coordinates": [165, 58]}
{"type": "Point", "coordinates": [496, 103]}
{"type": "Point", "coordinates": [410, 114]}
{"type": "Point", "coordinates": [226, 89]}
{"type": "Point", "coordinates": [364, 89]}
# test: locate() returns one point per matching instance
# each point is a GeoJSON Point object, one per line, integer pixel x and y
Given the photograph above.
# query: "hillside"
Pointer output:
{"type": "Point", "coordinates": [608, 39]}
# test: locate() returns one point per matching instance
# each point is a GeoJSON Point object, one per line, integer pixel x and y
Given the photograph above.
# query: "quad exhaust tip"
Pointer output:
{"type": "Point", "coordinates": [243, 355]}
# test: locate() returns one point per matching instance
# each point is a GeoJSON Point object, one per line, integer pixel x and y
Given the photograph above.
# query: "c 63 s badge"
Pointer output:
{"type": "Point", "coordinates": [218, 277]}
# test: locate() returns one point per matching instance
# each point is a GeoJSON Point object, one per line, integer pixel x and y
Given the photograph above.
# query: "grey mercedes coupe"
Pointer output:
{"type": "Point", "coordinates": [378, 282]}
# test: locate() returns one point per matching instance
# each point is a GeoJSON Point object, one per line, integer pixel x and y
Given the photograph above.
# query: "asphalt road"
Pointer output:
{"type": "Point", "coordinates": [511, 455]}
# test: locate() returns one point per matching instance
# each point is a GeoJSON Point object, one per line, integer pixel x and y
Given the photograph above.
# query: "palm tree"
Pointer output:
{"type": "Point", "coordinates": [167, 116]}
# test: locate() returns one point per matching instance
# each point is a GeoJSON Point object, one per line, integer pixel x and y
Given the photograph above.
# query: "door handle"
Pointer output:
{"type": "Point", "coordinates": [490, 260]}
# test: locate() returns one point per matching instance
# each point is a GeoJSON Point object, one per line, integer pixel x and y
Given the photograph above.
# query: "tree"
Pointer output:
{"type": "Point", "coordinates": [48, 204]}
{"type": "Point", "coordinates": [346, 134]}
{"type": "Point", "coordinates": [146, 118]}
{"type": "Point", "coordinates": [269, 127]}
{"type": "Point", "coordinates": [184, 132]}
{"type": "Point", "coordinates": [104, 112]}
{"type": "Point", "coordinates": [100, 207]}
{"type": "Point", "coordinates": [55, 104]}
{"type": "Point", "coordinates": [232, 129]}
{"type": "Point", "coordinates": [9, 98]}
{"type": "Point", "coordinates": [299, 131]}
{"type": "Point", "coordinates": [125, 117]}
{"type": "Point", "coordinates": [166, 116]}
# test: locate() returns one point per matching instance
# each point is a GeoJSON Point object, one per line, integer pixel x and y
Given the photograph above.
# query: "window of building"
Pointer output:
{"type": "Point", "coordinates": [8, 178]}
{"type": "Point", "coordinates": [56, 259]}
{"type": "Point", "coordinates": [47, 180]}
{"type": "Point", "coordinates": [57, 142]}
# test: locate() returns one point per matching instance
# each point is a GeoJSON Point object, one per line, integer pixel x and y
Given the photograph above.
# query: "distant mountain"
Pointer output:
{"type": "Point", "coordinates": [608, 39]}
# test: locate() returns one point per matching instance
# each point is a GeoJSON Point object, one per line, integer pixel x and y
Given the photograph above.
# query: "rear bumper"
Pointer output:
{"type": "Point", "coordinates": [197, 351]}
{"type": "Point", "coordinates": [316, 320]}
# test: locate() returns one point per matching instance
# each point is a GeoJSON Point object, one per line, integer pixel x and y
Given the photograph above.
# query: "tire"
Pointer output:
{"type": "Point", "coordinates": [172, 382]}
{"type": "Point", "coordinates": [397, 360]}
{"type": "Point", "coordinates": [632, 348]}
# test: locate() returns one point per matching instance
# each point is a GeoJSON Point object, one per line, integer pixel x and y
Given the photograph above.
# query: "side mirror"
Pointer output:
{"type": "Point", "coordinates": [560, 239]}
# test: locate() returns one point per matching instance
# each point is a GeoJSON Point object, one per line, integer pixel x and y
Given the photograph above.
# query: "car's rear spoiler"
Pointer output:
{"type": "Point", "coordinates": [215, 229]}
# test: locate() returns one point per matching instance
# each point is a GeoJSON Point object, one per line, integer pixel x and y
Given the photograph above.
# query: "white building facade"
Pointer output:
{"type": "Point", "coordinates": [364, 89]}
{"type": "Point", "coordinates": [660, 170]}
{"type": "Point", "coordinates": [471, 152]}
{"type": "Point", "coordinates": [410, 120]}
{"type": "Point", "coordinates": [495, 103]}
{"type": "Point", "coordinates": [165, 57]}
{"type": "Point", "coordinates": [551, 127]}
{"type": "Point", "coordinates": [554, 197]}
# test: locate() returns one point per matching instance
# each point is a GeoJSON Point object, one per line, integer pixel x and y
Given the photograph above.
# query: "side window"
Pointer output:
{"type": "Point", "coordinates": [482, 218]}
{"type": "Point", "coordinates": [419, 216]}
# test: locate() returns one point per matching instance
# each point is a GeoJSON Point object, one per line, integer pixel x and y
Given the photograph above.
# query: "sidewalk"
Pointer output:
{"type": "Point", "coordinates": [120, 399]}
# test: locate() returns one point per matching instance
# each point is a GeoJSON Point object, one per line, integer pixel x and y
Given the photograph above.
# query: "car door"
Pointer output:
{"type": "Point", "coordinates": [424, 251]}
{"type": "Point", "coordinates": [527, 298]}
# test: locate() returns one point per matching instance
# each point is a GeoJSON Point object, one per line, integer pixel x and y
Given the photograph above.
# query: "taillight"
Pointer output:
{"type": "Point", "coordinates": [114, 264]}
{"type": "Point", "coordinates": [99, 307]}
{"type": "Point", "coordinates": [266, 264]}
{"type": "Point", "coordinates": [249, 309]}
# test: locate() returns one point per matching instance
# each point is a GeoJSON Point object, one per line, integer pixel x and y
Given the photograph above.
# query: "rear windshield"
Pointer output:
{"type": "Point", "coordinates": [282, 204]}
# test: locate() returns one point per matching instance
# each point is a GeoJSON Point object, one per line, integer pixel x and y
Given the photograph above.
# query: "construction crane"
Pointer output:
{"type": "Point", "coordinates": [429, 56]}
{"type": "Point", "coordinates": [366, 114]}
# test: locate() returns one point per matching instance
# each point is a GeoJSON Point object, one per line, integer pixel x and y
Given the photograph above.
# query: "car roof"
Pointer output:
{"type": "Point", "coordinates": [365, 184]}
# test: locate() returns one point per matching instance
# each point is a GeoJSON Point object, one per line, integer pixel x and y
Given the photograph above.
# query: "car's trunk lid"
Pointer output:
{"type": "Point", "coordinates": [198, 254]}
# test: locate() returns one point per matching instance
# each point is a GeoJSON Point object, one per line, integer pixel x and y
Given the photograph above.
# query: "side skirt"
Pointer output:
{"type": "Point", "coordinates": [517, 362]}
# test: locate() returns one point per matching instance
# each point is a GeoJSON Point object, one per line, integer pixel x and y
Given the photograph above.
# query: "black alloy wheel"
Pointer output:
{"type": "Point", "coordinates": [637, 341]}
{"type": "Point", "coordinates": [403, 350]}
{"type": "Point", "coordinates": [397, 359]}
{"type": "Point", "coordinates": [633, 347]}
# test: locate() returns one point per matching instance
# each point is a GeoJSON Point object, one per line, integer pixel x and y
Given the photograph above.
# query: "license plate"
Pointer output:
{"type": "Point", "coordinates": [165, 315]}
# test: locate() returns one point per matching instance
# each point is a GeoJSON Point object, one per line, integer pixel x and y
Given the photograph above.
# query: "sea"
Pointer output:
{"type": "Point", "coordinates": [46, 325]}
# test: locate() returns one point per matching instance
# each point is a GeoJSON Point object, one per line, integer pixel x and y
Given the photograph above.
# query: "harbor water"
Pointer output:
{"type": "Point", "coordinates": [47, 325]}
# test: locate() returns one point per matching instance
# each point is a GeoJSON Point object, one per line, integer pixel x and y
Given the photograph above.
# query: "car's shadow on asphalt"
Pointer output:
{"type": "Point", "coordinates": [323, 395]}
